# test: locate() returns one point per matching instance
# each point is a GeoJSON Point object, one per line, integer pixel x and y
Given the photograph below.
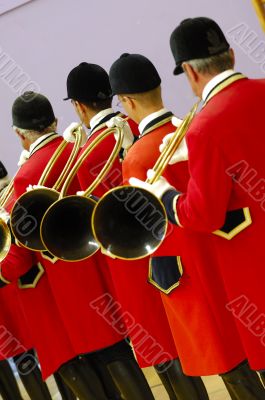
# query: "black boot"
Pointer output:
{"type": "Point", "coordinates": [8, 385]}
{"type": "Point", "coordinates": [166, 383]}
{"type": "Point", "coordinates": [65, 392]}
{"type": "Point", "coordinates": [101, 369]}
{"type": "Point", "coordinates": [130, 380]}
{"type": "Point", "coordinates": [125, 371]}
{"type": "Point", "coordinates": [30, 376]}
{"type": "Point", "coordinates": [244, 383]}
{"type": "Point", "coordinates": [185, 387]}
{"type": "Point", "coordinates": [82, 379]}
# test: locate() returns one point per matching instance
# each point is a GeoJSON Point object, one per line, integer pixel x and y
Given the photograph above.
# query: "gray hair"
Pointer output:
{"type": "Point", "coordinates": [33, 135]}
{"type": "Point", "coordinates": [214, 64]}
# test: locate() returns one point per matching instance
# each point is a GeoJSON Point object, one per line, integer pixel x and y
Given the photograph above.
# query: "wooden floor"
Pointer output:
{"type": "Point", "coordinates": [214, 386]}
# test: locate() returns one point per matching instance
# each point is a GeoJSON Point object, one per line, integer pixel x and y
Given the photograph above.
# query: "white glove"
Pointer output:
{"type": "Point", "coordinates": [176, 121]}
{"type": "Point", "coordinates": [69, 133]}
{"type": "Point", "coordinates": [23, 157]}
{"type": "Point", "coordinates": [4, 215]}
{"type": "Point", "coordinates": [159, 188]}
{"type": "Point", "coordinates": [33, 187]}
{"type": "Point", "coordinates": [181, 154]}
{"type": "Point", "coordinates": [128, 135]}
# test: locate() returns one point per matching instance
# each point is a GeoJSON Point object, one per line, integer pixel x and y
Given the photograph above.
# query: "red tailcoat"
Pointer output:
{"type": "Point", "coordinates": [74, 285]}
{"type": "Point", "coordinates": [203, 329]}
{"type": "Point", "coordinates": [226, 151]}
{"type": "Point", "coordinates": [139, 299]}
{"type": "Point", "coordinates": [15, 337]}
{"type": "Point", "coordinates": [39, 309]}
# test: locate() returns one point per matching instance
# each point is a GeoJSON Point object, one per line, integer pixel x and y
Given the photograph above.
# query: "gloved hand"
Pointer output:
{"type": "Point", "coordinates": [176, 121]}
{"type": "Point", "coordinates": [69, 133]}
{"type": "Point", "coordinates": [4, 215]}
{"type": "Point", "coordinates": [181, 154]}
{"type": "Point", "coordinates": [159, 188]}
{"type": "Point", "coordinates": [128, 138]}
{"type": "Point", "coordinates": [80, 193]}
{"type": "Point", "coordinates": [33, 187]}
{"type": "Point", "coordinates": [23, 157]}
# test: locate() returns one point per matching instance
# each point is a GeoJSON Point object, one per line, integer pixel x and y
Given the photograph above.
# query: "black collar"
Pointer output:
{"type": "Point", "coordinates": [104, 120]}
{"type": "Point", "coordinates": [156, 121]}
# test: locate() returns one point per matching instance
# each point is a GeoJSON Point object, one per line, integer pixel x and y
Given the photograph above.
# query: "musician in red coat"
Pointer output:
{"type": "Point", "coordinates": [228, 198]}
{"type": "Point", "coordinates": [145, 311]}
{"type": "Point", "coordinates": [19, 327]}
{"type": "Point", "coordinates": [74, 285]}
{"type": "Point", "coordinates": [195, 298]}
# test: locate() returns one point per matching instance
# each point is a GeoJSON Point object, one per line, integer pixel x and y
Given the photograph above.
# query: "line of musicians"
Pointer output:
{"type": "Point", "coordinates": [179, 310]}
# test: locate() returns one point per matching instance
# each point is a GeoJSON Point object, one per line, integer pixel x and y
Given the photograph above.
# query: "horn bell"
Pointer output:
{"type": "Point", "coordinates": [27, 215]}
{"type": "Point", "coordinates": [130, 223]}
{"type": "Point", "coordinates": [5, 239]}
{"type": "Point", "coordinates": [66, 229]}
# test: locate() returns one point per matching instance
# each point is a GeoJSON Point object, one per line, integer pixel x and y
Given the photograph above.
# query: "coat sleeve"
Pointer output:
{"type": "Point", "coordinates": [18, 261]}
{"type": "Point", "coordinates": [204, 205]}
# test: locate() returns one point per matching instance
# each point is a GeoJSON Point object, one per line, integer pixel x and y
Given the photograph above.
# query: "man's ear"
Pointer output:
{"type": "Point", "coordinates": [80, 109]}
{"type": "Point", "coordinates": [130, 102]}
{"type": "Point", "coordinates": [190, 72]}
{"type": "Point", "coordinates": [22, 137]}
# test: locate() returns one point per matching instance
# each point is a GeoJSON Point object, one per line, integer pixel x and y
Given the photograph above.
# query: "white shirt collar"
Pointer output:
{"type": "Point", "coordinates": [99, 116]}
{"type": "Point", "coordinates": [215, 81]}
{"type": "Point", "coordinates": [39, 140]}
{"type": "Point", "coordinates": [150, 118]}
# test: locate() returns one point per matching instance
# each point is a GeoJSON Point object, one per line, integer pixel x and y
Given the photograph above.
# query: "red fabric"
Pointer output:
{"type": "Point", "coordinates": [94, 163]}
{"type": "Point", "coordinates": [226, 140]}
{"type": "Point", "coordinates": [136, 296]}
{"type": "Point", "coordinates": [75, 286]}
{"type": "Point", "coordinates": [42, 321]}
{"type": "Point", "coordinates": [196, 309]}
{"type": "Point", "coordinates": [14, 335]}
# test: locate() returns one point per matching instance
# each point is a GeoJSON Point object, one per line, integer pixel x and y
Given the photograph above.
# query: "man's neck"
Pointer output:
{"type": "Point", "coordinates": [146, 111]}
{"type": "Point", "coordinates": [98, 116]}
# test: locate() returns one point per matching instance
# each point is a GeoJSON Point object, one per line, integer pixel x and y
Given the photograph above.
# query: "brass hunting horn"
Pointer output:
{"type": "Point", "coordinates": [130, 223]}
{"type": "Point", "coordinates": [29, 209]}
{"type": "Point", "coordinates": [66, 229]}
{"type": "Point", "coordinates": [5, 234]}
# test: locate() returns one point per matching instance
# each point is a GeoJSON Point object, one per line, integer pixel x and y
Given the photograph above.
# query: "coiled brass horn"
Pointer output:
{"type": "Point", "coordinates": [130, 223]}
{"type": "Point", "coordinates": [66, 229]}
{"type": "Point", "coordinates": [5, 233]}
{"type": "Point", "coordinates": [29, 209]}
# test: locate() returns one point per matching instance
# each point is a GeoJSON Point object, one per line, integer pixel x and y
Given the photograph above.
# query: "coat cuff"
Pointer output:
{"type": "Point", "coordinates": [169, 200]}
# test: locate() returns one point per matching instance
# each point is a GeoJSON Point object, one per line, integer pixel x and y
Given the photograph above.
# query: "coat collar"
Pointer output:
{"type": "Point", "coordinates": [41, 142]}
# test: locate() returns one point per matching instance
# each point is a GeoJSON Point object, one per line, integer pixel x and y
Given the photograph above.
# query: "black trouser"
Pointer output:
{"type": "Point", "coordinates": [101, 369]}
{"type": "Point", "coordinates": [30, 376]}
{"type": "Point", "coordinates": [178, 385]}
{"type": "Point", "coordinates": [243, 383]}
{"type": "Point", "coordinates": [81, 376]}
{"type": "Point", "coordinates": [8, 385]}
{"type": "Point", "coordinates": [65, 392]}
